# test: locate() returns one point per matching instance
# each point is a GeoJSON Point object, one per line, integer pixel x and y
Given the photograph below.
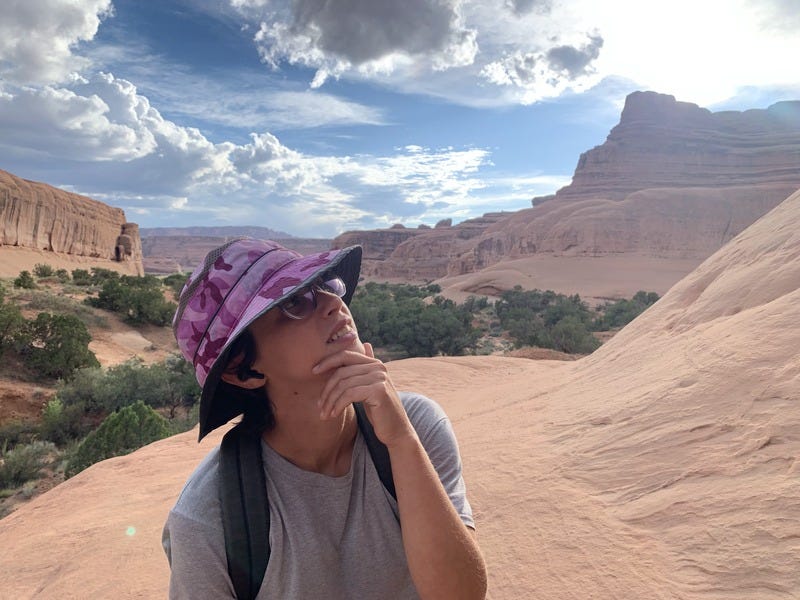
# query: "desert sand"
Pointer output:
{"type": "Point", "coordinates": [666, 465]}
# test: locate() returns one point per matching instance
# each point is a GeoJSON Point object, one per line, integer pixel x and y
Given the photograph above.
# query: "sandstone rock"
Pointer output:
{"type": "Point", "coordinates": [414, 254]}
{"type": "Point", "coordinates": [672, 180]}
{"type": "Point", "coordinates": [660, 142]}
{"type": "Point", "coordinates": [377, 244]}
{"type": "Point", "coordinates": [681, 223]}
{"type": "Point", "coordinates": [428, 256]}
{"type": "Point", "coordinates": [40, 217]}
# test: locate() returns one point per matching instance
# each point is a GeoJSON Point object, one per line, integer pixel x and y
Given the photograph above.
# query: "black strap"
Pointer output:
{"type": "Point", "coordinates": [377, 450]}
{"type": "Point", "coordinates": [245, 506]}
{"type": "Point", "coordinates": [245, 511]}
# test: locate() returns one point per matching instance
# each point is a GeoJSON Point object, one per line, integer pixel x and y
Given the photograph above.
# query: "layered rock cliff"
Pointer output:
{"type": "Point", "coordinates": [660, 142]}
{"type": "Point", "coordinates": [672, 181]}
{"type": "Point", "coordinates": [415, 254]}
{"type": "Point", "coordinates": [40, 217]}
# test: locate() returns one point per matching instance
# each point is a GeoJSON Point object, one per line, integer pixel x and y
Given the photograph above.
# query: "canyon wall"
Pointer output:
{"type": "Point", "coordinates": [37, 219]}
{"type": "Point", "coordinates": [672, 181]}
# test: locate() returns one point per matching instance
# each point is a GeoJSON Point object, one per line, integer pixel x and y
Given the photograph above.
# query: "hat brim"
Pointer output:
{"type": "Point", "coordinates": [216, 410]}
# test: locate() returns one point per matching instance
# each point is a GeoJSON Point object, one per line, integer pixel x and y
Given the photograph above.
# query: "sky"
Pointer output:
{"type": "Point", "coordinates": [315, 117]}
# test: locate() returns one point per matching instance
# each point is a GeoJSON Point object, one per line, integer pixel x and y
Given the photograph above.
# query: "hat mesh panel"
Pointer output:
{"type": "Point", "coordinates": [188, 292]}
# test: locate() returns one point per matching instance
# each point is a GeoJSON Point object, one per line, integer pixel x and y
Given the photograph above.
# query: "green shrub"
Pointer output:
{"type": "Point", "coordinates": [622, 312]}
{"type": "Point", "coordinates": [58, 345]}
{"type": "Point", "coordinates": [175, 282]}
{"type": "Point", "coordinates": [547, 320]}
{"type": "Point", "coordinates": [12, 326]}
{"type": "Point", "coordinates": [25, 281]}
{"type": "Point", "coordinates": [43, 270]}
{"type": "Point", "coordinates": [101, 275]}
{"type": "Point", "coordinates": [62, 275]}
{"type": "Point", "coordinates": [121, 433]}
{"type": "Point", "coordinates": [17, 432]}
{"type": "Point", "coordinates": [63, 424]}
{"type": "Point", "coordinates": [170, 384]}
{"type": "Point", "coordinates": [139, 299]}
{"type": "Point", "coordinates": [396, 315]}
{"type": "Point", "coordinates": [571, 335]}
{"type": "Point", "coordinates": [23, 463]}
{"type": "Point", "coordinates": [81, 277]}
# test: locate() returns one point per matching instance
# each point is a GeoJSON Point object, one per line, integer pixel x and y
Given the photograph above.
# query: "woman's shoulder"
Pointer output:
{"type": "Point", "coordinates": [199, 498]}
{"type": "Point", "coordinates": [424, 413]}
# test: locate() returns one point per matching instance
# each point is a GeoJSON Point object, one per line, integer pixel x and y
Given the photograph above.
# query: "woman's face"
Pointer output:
{"type": "Point", "coordinates": [287, 349]}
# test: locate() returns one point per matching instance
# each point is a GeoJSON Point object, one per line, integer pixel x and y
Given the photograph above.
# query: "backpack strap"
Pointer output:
{"type": "Point", "coordinates": [245, 506]}
{"type": "Point", "coordinates": [245, 511]}
{"type": "Point", "coordinates": [377, 449]}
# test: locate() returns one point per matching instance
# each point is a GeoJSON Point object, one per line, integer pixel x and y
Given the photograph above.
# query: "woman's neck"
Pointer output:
{"type": "Point", "coordinates": [310, 443]}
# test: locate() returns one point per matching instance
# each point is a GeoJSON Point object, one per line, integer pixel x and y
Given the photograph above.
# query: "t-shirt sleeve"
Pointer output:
{"type": "Point", "coordinates": [194, 541]}
{"type": "Point", "coordinates": [439, 440]}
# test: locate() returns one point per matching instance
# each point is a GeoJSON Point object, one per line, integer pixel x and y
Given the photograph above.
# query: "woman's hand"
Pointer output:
{"type": "Point", "coordinates": [356, 377]}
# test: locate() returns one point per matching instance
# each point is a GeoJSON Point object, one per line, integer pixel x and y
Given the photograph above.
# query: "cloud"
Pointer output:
{"type": "Point", "coordinates": [547, 73]}
{"type": "Point", "coordinates": [368, 36]}
{"type": "Point", "coordinates": [37, 37]}
{"type": "Point", "coordinates": [58, 123]}
{"type": "Point", "coordinates": [102, 138]}
{"type": "Point", "coordinates": [523, 7]}
{"type": "Point", "coordinates": [574, 61]}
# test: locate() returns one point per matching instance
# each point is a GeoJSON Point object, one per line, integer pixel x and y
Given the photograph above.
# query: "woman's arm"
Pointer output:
{"type": "Point", "coordinates": [443, 554]}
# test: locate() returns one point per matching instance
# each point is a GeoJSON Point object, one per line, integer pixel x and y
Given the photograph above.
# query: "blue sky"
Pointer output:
{"type": "Point", "coordinates": [316, 117]}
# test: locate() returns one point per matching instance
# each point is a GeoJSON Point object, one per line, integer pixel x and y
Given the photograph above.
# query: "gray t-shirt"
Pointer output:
{"type": "Point", "coordinates": [330, 537]}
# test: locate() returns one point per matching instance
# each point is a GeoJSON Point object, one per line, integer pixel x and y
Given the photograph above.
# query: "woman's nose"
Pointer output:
{"type": "Point", "coordinates": [328, 303]}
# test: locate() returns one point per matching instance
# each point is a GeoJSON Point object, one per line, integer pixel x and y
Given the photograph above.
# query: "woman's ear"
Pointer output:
{"type": "Point", "coordinates": [250, 383]}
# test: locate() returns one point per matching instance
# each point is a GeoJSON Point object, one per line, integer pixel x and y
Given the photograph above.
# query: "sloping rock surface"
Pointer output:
{"type": "Point", "coordinates": [665, 466]}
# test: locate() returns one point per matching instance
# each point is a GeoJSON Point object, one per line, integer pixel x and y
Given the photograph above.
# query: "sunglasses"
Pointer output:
{"type": "Point", "coordinates": [303, 303]}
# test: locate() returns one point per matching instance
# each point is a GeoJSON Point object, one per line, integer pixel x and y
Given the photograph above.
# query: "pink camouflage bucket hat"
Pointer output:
{"type": "Point", "coordinates": [236, 284]}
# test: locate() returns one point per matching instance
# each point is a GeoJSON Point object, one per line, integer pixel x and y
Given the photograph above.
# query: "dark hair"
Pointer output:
{"type": "Point", "coordinates": [257, 414]}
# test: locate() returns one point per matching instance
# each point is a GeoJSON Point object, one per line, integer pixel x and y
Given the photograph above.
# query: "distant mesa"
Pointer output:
{"type": "Point", "coordinates": [178, 249]}
{"type": "Point", "coordinates": [43, 224]}
{"type": "Point", "coordinates": [671, 184]}
{"type": "Point", "coordinates": [261, 233]}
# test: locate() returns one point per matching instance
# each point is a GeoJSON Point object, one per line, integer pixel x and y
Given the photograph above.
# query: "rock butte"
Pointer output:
{"type": "Point", "coordinates": [671, 184]}
{"type": "Point", "coordinates": [42, 224]}
{"type": "Point", "coordinates": [666, 465]}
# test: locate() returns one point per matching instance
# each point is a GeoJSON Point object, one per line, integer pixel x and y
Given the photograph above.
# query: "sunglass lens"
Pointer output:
{"type": "Point", "coordinates": [300, 305]}
{"type": "Point", "coordinates": [334, 285]}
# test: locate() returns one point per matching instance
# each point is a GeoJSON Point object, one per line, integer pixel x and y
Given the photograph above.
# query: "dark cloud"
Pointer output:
{"type": "Point", "coordinates": [574, 61]}
{"type": "Point", "coordinates": [364, 30]}
{"type": "Point", "coordinates": [523, 7]}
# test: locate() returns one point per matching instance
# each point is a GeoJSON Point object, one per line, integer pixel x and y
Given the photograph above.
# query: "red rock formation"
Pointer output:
{"type": "Point", "coordinates": [415, 254]}
{"type": "Point", "coordinates": [672, 180]}
{"type": "Point", "coordinates": [40, 217]}
{"type": "Point", "coordinates": [660, 142]}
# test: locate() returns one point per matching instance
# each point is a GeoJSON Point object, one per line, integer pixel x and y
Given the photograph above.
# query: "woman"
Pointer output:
{"type": "Point", "coordinates": [271, 337]}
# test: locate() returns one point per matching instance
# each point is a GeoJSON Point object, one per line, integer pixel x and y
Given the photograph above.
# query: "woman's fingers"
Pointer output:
{"type": "Point", "coordinates": [358, 392]}
{"type": "Point", "coordinates": [340, 359]}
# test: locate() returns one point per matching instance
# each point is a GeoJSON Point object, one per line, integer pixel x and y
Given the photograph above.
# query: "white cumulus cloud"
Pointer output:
{"type": "Point", "coordinates": [37, 37]}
